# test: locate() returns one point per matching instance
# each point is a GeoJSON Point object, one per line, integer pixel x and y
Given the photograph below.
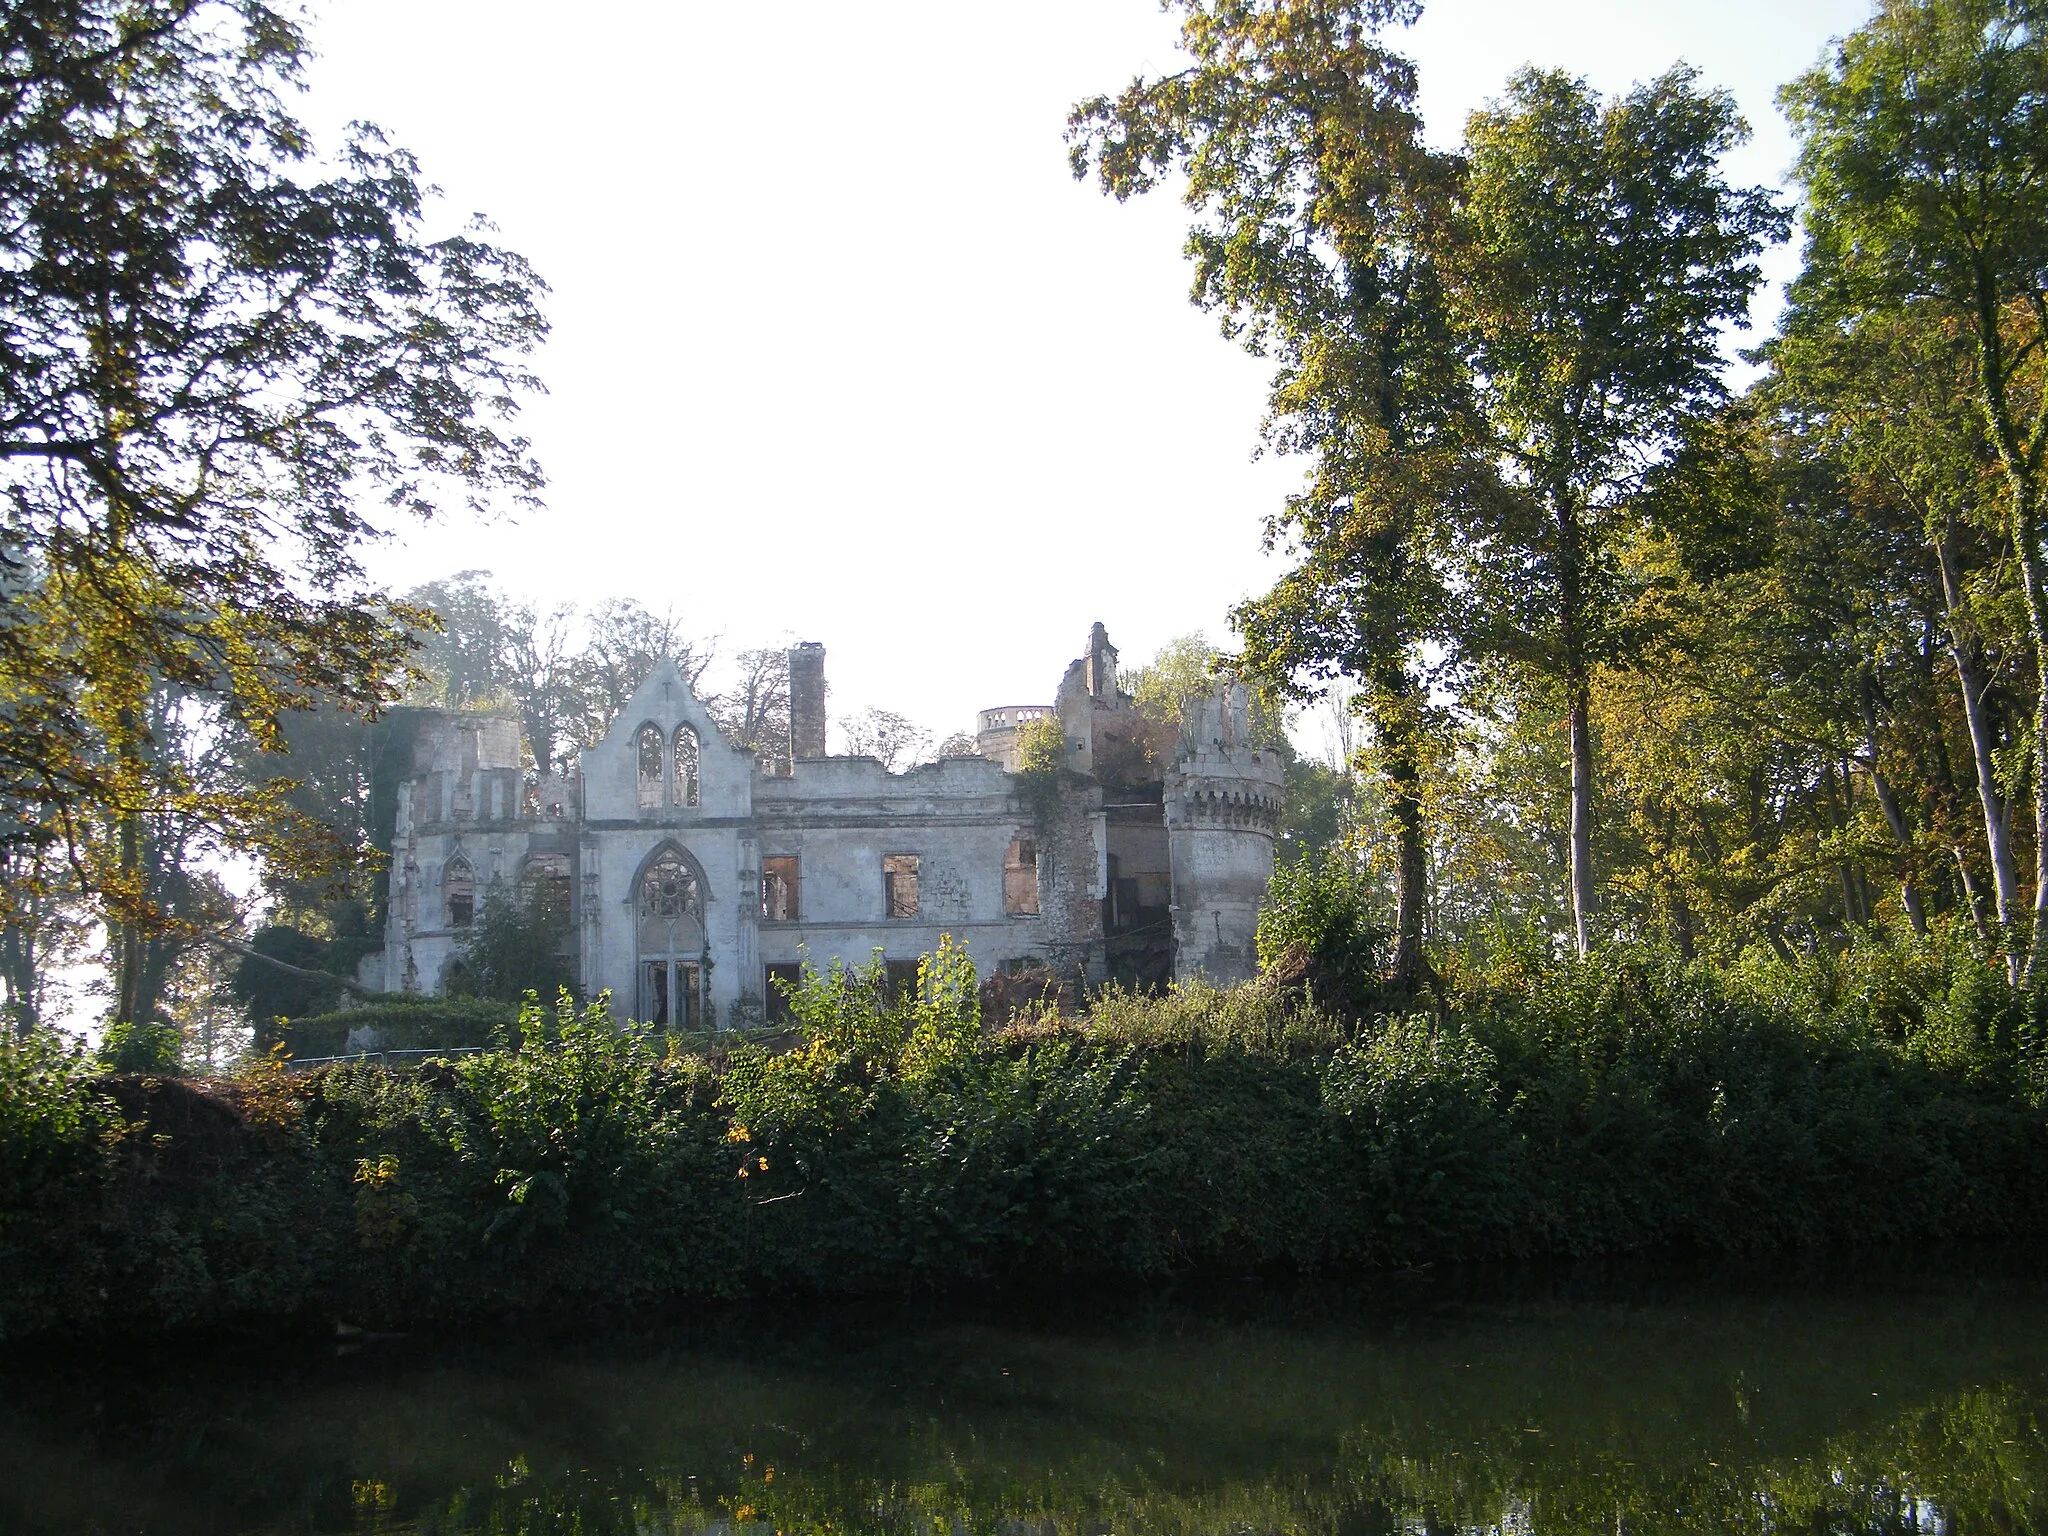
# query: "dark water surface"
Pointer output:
{"type": "Point", "coordinates": [1852, 1402]}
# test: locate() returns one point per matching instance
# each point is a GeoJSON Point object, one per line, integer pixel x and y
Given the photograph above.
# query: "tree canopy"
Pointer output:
{"type": "Point", "coordinates": [225, 357]}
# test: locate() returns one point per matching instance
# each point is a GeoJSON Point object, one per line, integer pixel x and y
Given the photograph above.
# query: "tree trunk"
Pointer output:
{"type": "Point", "coordinates": [1972, 898]}
{"type": "Point", "coordinates": [2026, 546]}
{"type": "Point", "coordinates": [1397, 721]}
{"type": "Point", "coordinates": [1997, 827]}
{"type": "Point", "coordinates": [1411, 879]}
{"type": "Point", "coordinates": [1582, 811]}
{"type": "Point", "coordinates": [1578, 708]}
{"type": "Point", "coordinates": [1838, 811]}
{"type": "Point", "coordinates": [1909, 893]}
{"type": "Point", "coordinates": [1888, 802]}
{"type": "Point", "coordinates": [18, 963]}
{"type": "Point", "coordinates": [128, 927]}
{"type": "Point", "coordinates": [130, 906]}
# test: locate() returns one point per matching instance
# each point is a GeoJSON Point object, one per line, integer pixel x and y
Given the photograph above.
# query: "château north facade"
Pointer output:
{"type": "Point", "coordinates": [694, 873]}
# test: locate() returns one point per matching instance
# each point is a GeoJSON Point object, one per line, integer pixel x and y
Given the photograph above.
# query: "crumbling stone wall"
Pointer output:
{"type": "Point", "coordinates": [1073, 856]}
{"type": "Point", "coordinates": [1214, 812]}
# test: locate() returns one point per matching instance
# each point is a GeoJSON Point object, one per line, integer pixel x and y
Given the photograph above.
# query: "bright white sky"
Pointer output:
{"type": "Point", "coordinates": [842, 353]}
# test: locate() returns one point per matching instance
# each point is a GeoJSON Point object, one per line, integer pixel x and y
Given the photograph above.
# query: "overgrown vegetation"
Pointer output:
{"type": "Point", "coordinates": [401, 1022]}
{"type": "Point", "coordinates": [1752, 684]}
{"type": "Point", "coordinates": [1619, 1103]}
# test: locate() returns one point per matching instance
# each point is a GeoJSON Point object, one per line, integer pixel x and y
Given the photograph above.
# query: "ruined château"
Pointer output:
{"type": "Point", "coordinates": [693, 872]}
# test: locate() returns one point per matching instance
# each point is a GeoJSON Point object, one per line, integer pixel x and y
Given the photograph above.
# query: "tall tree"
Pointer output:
{"type": "Point", "coordinates": [543, 673]}
{"type": "Point", "coordinates": [1889, 396]}
{"type": "Point", "coordinates": [896, 741]}
{"type": "Point", "coordinates": [460, 647]}
{"type": "Point", "coordinates": [1601, 256]}
{"type": "Point", "coordinates": [215, 351]}
{"type": "Point", "coordinates": [623, 641]}
{"type": "Point", "coordinates": [1924, 165]}
{"type": "Point", "coordinates": [754, 711]}
{"type": "Point", "coordinates": [1317, 206]}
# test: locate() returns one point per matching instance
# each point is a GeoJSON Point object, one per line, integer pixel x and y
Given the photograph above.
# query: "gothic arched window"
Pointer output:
{"type": "Point", "coordinates": [458, 884]}
{"type": "Point", "coordinates": [686, 766]}
{"type": "Point", "coordinates": [669, 888]}
{"type": "Point", "coordinates": [650, 767]}
{"type": "Point", "coordinates": [671, 943]}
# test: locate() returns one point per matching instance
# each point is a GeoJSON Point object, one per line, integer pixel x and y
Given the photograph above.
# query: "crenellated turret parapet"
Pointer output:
{"type": "Point", "coordinates": [1241, 797]}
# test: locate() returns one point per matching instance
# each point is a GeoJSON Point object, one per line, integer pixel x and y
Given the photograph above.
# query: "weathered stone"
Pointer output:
{"type": "Point", "coordinates": [1143, 872]}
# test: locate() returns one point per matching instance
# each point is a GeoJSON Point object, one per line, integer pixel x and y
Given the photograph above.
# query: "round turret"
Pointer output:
{"type": "Point", "coordinates": [995, 731]}
{"type": "Point", "coordinates": [1222, 802]}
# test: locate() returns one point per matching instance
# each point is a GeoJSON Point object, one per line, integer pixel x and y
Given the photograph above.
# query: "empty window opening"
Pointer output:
{"type": "Point", "coordinates": [781, 979]}
{"type": "Point", "coordinates": [1020, 879]}
{"type": "Point", "coordinates": [899, 883]}
{"type": "Point", "coordinates": [900, 977]}
{"type": "Point", "coordinates": [671, 994]}
{"type": "Point", "coordinates": [778, 890]}
{"type": "Point", "coordinates": [546, 885]}
{"type": "Point", "coordinates": [671, 906]}
{"type": "Point", "coordinates": [685, 788]}
{"type": "Point", "coordinates": [459, 882]}
{"type": "Point", "coordinates": [650, 767]}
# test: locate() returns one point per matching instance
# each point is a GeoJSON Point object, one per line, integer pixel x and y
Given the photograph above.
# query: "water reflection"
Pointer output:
{"type": "Point", "coordinates": [1793, 1408]}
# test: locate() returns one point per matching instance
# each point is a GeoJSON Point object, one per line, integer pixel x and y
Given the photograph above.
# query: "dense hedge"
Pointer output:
{"type": "Point", "coordinates": [1555, 1108]}
{"type": "Point", "coordinates": [401, 1024]}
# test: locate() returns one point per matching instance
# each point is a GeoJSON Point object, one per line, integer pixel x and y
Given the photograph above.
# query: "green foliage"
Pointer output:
{"type": "Point", "coordinates": [181, 526]}
{"type": "Point", "coordinates": [1041, 746]}
{"type": "Point", "coordinates": [1041, 763]}
{"type": "Point", "coordinates": [1603, 255]}
{"type": "Point", "coordinates": [1327, 915]}
{"type": "Point", "coordinates": [1924, 163]}
{"type": "Point", "coordinates": [269, 993]}
{"type": "Point", "coordinates": [1623, 1102]}
{"type": "Point", "coordinates": [1185, 672]}
{"type": "Point", "coordinates": [858, 1033]}
{"type": "Point", "coordinates": [403, 1023]}
{"type": "Point", "coordinates": [520, 943]}
{"type": "Point", "coordinates": [142, 1047]}
{"type": "Point", "coordinates": [944, 1012]}
{"type": "Point", "coordinates": [1316, 810]}
{"type": "Point", "coordinates": [49, 1122]}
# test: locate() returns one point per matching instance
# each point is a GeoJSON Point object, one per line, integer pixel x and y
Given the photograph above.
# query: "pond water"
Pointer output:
{"type": "Point", "coordinates": [1841, 1403]}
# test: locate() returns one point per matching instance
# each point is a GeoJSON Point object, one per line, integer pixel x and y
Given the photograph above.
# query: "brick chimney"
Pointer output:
{"type": "Point", "coordinates": [807, 700]}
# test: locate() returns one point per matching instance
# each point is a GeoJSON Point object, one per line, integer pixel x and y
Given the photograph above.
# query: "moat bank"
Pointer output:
{"type": "Point", "coordinates": [1617, 1106]}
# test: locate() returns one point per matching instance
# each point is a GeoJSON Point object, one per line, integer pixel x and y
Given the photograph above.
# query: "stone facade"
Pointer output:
{"type": "Point", "coordinates": [692, 873]}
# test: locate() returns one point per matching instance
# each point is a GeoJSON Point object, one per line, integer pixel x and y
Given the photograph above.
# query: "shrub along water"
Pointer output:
{"type": "Point", "coordinates": [1539, 1107]}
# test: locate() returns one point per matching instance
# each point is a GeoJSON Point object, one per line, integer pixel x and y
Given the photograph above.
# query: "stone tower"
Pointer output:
{"type": "Point", "coordinates": [1222, 803]}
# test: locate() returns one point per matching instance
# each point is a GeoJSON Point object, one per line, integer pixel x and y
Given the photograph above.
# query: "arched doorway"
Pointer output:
{"type": "Point", "coordinates": [669, 910]}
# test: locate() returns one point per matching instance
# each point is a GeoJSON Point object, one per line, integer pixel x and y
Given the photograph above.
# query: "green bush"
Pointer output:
{"type": "Point", "coordinates": [142, 1045]}
{"type": "Point", "coordinates": [520, 943]}
{"type": "Point", "coordinates": [1322, 917]}
{"type": "Point", "coordinates": [1617, 1104]}
{"type": "Point", "coordinates": [270, 992]}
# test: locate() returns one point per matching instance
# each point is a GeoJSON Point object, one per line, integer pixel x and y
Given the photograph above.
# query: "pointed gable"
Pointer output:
{"type": "Point", "coordinates": [718, 775]}
{"type": "Point", "coordinates": [665, 698]}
